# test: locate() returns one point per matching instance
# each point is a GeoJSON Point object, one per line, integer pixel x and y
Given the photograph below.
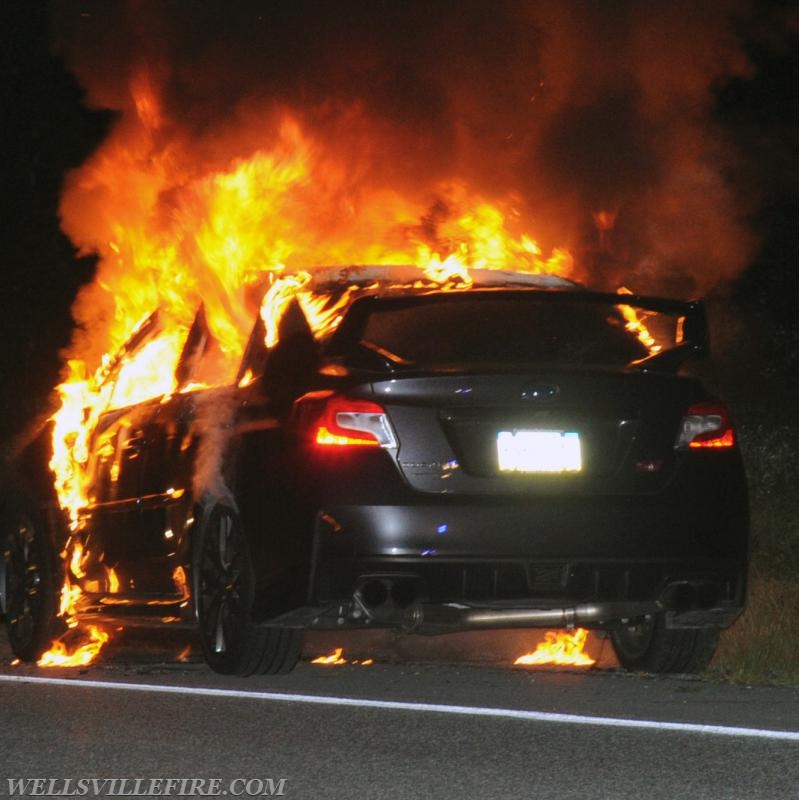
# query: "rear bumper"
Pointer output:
{"type": "Point", "coordinates": [443, 566]}
{"type": "Point", "coordinates": [648, 527]}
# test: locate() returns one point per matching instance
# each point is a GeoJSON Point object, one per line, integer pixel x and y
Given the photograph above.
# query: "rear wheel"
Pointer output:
{"type": "Point", "coordinates": [30, 582]}
{"type": "Point", "coordinates": [224, 584]}
{"type": "Point", "coordinates": [648, 646]}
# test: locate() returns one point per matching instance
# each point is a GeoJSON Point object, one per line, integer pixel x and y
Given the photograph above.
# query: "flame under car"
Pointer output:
{"type": "Point", "coordinates": [515, 455]}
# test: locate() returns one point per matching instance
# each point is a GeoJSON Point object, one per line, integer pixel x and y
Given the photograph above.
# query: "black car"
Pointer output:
{"type": "Point", "coordinates": [521, 453]}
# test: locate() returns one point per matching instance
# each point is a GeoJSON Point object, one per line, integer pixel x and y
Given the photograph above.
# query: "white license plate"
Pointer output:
{"type": "Point", "coordinates": [539, 451]}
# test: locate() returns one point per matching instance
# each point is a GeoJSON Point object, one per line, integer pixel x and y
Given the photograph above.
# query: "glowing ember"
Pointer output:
{"type": "Point", "coordinates": [559, 648]}
{"type": "Point", "coordinates": [605, 220]}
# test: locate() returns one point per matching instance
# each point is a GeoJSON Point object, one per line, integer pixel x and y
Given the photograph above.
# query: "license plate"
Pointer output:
{"type": "Point", "coordinates": [539, 451]}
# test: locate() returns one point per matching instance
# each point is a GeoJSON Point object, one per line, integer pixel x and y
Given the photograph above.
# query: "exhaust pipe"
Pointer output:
{"type": "Point", "coordinates": [556, 617]}
{"type": "Point", "coordinates": [373, 594]}
{"type": "Point", "coordinates": [380, 597]}
{"type": "Point", "coordinates": [690, 595]}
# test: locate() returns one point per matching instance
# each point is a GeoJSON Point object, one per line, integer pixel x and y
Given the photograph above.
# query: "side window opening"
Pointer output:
{"type": "Point", "coordinates": [201, 361]}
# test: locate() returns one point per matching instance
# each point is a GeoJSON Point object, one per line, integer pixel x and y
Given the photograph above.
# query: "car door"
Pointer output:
{"type": "Point", "coordinates": [128, 480]}
{"type": "Point", "coordinates": [165, 492]}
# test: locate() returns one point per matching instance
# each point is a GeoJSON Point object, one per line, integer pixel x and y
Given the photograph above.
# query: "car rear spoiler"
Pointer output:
{"type": "Point", "coordinates": [690, 333]}
{"type": "Point", "coordinates": [693, 340]}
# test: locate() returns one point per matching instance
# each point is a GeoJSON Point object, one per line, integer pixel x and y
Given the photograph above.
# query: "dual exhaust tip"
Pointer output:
{"type": "Point", "coordinates": [690, 596]}
{"type": "Point", "coordinates": [398, 592]}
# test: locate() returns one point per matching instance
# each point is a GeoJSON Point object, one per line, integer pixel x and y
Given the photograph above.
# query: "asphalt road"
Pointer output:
{"type": "Point", "coordinates": [393, 730]}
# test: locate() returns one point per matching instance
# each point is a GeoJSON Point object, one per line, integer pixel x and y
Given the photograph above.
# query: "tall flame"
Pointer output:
{"type": "Point", "coordinates": [175, 227]}
{"type": "Point", "coordinates": [229, 230]}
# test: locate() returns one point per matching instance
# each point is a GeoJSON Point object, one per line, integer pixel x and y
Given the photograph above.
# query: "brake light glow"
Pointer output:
{"type": "Point", "coordinates": [325, 437]}
{"type": "Point", "coordinates": [346, 422]}
{"type": "Point", "coordinates": [706, 425]}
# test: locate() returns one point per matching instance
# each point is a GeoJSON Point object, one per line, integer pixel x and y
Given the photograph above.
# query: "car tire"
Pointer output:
{"type": "Point", "coordinates": [647, 645]}
{"type": "Point", "coordinates": [224, 592]}
{"type": "Point", "coordinates": [31, 584]}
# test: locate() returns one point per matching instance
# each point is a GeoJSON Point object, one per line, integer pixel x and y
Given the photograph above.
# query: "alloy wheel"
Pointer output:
{"type": "Point", "coordinates": [221, 591]}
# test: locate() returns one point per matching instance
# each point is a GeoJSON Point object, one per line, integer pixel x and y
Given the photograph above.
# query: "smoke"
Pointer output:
{"type": "Point", "coordinates": [212, 424]}
{"type": "Point", "coordinates": [564, 111]}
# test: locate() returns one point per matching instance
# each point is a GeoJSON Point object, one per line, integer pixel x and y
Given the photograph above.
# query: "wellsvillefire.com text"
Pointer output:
{"type": "Point", "coordinates": [146, 787]}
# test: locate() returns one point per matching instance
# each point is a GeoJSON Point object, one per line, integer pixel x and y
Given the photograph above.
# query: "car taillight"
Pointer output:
{"type": "Point", "coordinates": [338, 421]}
{"type": "Point", "coordinates": [706, 425]}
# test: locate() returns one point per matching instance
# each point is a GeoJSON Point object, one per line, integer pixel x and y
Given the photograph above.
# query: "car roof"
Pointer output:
{"type": "Point", "coordinates": [330, 278]}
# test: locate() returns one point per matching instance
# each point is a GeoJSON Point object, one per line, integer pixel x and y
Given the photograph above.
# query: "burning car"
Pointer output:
{"type": "Point", "coordinates": [507, 451]}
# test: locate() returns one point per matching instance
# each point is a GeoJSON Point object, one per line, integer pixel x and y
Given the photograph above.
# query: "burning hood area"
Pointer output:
{"type": "Point", "coordinates": [254, 141]}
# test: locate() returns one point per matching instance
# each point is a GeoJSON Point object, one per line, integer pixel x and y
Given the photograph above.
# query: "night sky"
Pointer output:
{"type": "Point", "coordinates": [423, 73]}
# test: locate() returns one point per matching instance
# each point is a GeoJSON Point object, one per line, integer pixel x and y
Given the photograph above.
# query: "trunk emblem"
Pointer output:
{"type": "Point", "coordinates": [539, 391]}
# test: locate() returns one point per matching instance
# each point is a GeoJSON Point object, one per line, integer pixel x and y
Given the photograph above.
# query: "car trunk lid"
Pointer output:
{"type": "Point", "coordinates": [573, 431]}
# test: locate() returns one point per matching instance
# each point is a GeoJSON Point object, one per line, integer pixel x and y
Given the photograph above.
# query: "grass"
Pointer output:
{"type": "Point", "coordinates": [770, 451]}
{"type": "Point", "coordinates": [763, 645]}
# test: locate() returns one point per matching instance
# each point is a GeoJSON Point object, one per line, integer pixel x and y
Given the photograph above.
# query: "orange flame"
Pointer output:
{"type": "Point", "coordinates": [61, 655]}
{"type": "Point", "coordinates": [76, 561]}
{"type": "Point", "coordinates": [559, 648]}
{"type": "Point", "coordinates": [70, 593]}
{"type": "Point", "coordinates": [181, 582]}
{"type": "Point", "coordinates": [232, 229]}
{"type": "Point", "coordinates": [174, 227]}
{"type": "Point", "coordinates": [336, 659]}
{"type": "Point", "coordinates": [63, 652]}
{"type": "Point", "coordinates": [113, 581]}
{"type": "Point", "coordinates": [636, 325]}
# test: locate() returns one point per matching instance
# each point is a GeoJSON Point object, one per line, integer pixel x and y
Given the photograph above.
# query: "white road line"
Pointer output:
{"type": "Point", "coordinates": [437, 708]}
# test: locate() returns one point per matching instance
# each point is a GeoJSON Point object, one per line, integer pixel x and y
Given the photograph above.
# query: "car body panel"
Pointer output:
{"type": "Point", "coordinates": [432, 520]}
